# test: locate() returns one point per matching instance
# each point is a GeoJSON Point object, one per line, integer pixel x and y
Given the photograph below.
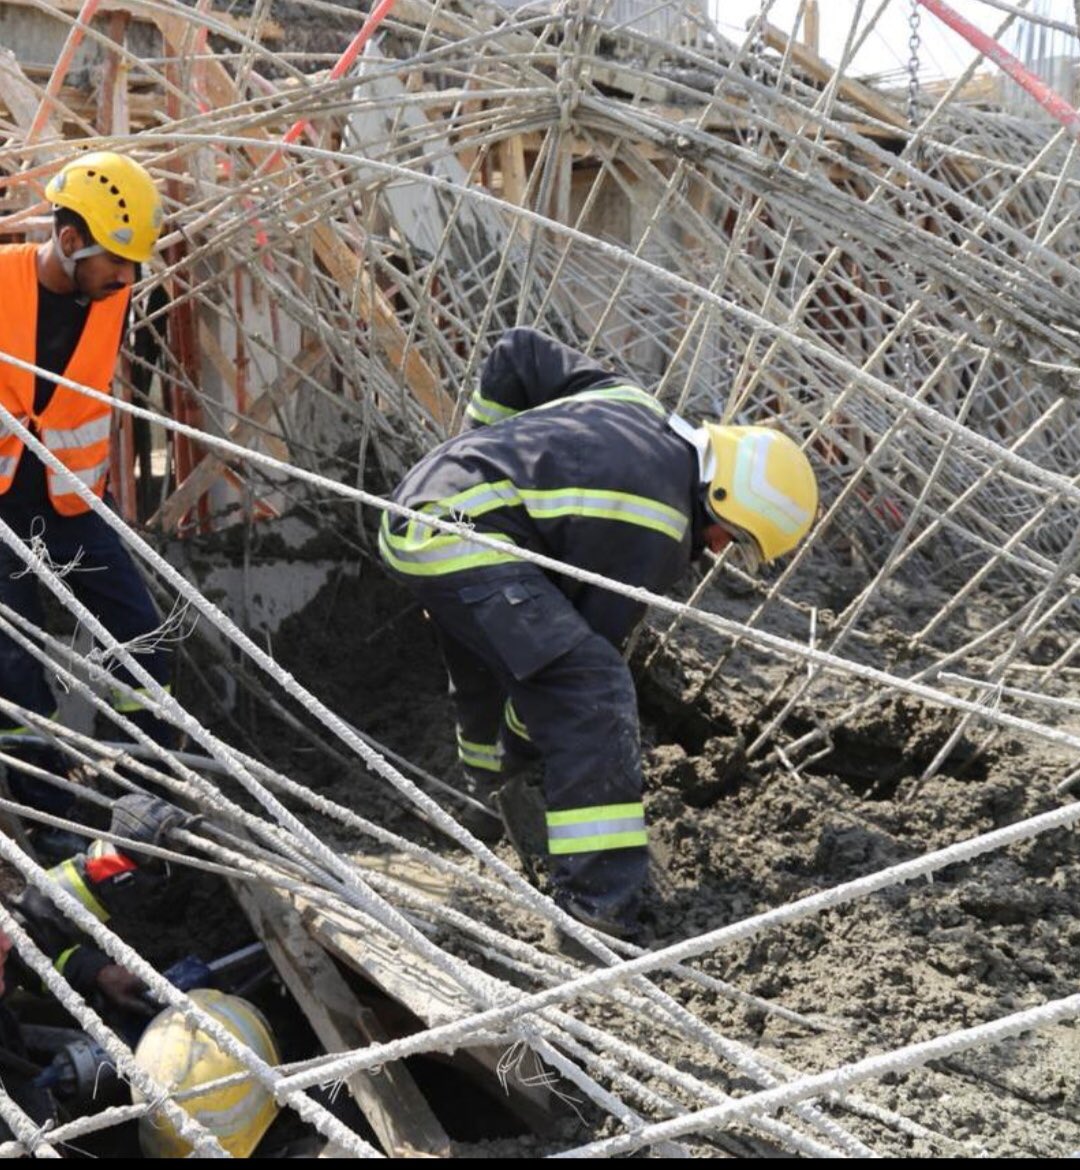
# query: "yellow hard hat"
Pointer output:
{"type": "Point", "coordinates": [762, 486]}
{"type": "Point", "coordinates": [180, 1056]}
{"type": "Point", "coordinates": [116, 197]}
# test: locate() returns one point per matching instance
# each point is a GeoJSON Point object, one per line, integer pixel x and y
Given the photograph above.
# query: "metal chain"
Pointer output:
{"type": "Point", "coordinates": [914, 44]}
{"type": "Point", "coordinates": [757, 71]}
{"type": "Point", "coordinates": [907, 346]}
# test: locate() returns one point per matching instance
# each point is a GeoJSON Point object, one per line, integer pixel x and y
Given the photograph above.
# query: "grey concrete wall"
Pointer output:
{"type": "Point", "coordinates": [37, 38]}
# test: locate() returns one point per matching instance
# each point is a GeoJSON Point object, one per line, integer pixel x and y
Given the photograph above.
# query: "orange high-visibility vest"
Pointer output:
{"type": "Point", "coordinates": [74, 427]}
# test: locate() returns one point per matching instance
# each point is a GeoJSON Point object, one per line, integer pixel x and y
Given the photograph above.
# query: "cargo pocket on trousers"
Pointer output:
{"type": "Point", "coordinates": [527, 624]}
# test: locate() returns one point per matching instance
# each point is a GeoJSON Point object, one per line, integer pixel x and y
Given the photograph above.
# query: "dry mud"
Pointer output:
{"type": "Point", "coordinates": [980, 941]}
{"type": "Point", "coordinates": [730, 839]}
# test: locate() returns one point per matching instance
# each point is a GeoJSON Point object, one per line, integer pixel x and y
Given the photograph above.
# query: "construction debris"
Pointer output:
{"type": "Point", "coordinates": [360, 201]}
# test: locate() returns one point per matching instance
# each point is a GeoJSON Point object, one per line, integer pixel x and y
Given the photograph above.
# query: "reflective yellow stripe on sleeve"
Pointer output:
{"type": "Point", "coordinates": [61, 960]}
{"type": "Point", "coordinates": [592, 830]}
{"type": "Point", "coordinates": [125, 705]}
{"type": "Point", "coordinates": [631, 394]}
{"type": "Point", "coordinates": [425, 551]}
{"type": "Point", "coordinates": [484, 410]}
{"type": "Point", "coordinates": [436, 555]}
{"type": "Point", "coordinates": [22, 729]}
{"type": "Point", "coordinates": [67, 876]}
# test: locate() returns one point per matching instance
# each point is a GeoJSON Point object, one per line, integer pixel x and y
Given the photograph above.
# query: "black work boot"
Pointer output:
{"type": "Point", "coordinates": [477, 811]}
{"type": "Point", "coordinates": [524, 813]}
{"type": "Point", "coordinates": [620, 926]}
{"type": "Point", "coordinates": [612, 929]}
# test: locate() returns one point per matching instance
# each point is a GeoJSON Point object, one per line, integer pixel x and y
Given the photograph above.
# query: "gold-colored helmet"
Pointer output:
{"type": "Point", "coordinates": [180, 1056]}
{"type": "Point", "coordinates": [762, 487]}
{"type": "Point", "coordinates": [117, 199]}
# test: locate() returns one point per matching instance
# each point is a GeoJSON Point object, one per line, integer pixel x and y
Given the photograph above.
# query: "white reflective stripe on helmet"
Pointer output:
{"type": "Point", "coordinates": [751, 487]}
{"type": "Point", "coordinates": [231, 1120]}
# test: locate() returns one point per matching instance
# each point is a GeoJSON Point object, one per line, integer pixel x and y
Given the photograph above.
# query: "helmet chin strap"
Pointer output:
{"type": "Point", "coordinates": [70, 263]}
{"type": "Point", "coordinates": [698, 438]}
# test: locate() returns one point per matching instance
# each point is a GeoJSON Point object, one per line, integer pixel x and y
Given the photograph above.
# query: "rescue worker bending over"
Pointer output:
{"type": "Point", "coordinates": [112, 885]}
{"type": "Point", "coordinates": [64, 308]}
{"type": "Point", "coordinates": [564, 458]}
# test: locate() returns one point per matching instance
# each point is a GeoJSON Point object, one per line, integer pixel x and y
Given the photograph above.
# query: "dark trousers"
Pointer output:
{"type": "Point", "coordinates": [509, 632]}
{"type": "Point", "coordinates": [105, 580]}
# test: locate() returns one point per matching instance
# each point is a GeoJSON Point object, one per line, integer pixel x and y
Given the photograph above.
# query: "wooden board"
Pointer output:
{"type": "Point", "coordinates": [426, 992]}
{"type": "Point", "coordinates": [390, 1100]}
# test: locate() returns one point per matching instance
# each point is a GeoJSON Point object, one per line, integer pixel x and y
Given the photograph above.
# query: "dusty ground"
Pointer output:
{"type": "Point", "coordinates": [983, 940]}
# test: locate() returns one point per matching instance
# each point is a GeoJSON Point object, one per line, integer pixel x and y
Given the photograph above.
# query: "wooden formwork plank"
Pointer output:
{"type": "Point", "coordinates": [426, 992]}
{"type": "Point", "coordinates": [340, 260]}
{"type": "Point", "coordinates": [515, 177]}
{"type": "Point", "coordinates": [261, 410]}
{"type": "Point", "coordinates": [853, 91]}
{"type": "Point", "coordinates": [268, 29]}
{"type": "Point", "coordinates": [346, 267]}
{"type": "Point", "coordinates": [21, 97]}
{"type": "Point", "coordinates": [390, 1100]}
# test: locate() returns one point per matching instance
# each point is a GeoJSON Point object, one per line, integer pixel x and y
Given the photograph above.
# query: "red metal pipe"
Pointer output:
{"type": "Point", "coordinates": [343, 64]}
{"type": "Point", "coordinates": [1054, 104]}
{"type": "Point", "coordinates": [60, 69]}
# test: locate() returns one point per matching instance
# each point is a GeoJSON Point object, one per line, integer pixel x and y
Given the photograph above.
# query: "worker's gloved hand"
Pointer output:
{"type": "Point", "coordinates": [125, 990]}
{"type": "Point", "coordinates": [148, 819]}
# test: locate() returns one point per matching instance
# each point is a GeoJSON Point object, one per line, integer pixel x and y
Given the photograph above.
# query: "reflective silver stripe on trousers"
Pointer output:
{"type": "Point", "coordinates": [82, 436]}
{"type": "Point", "coordinates": [596, 828]}
{"type": "Point", "coordinates": [7, 466]}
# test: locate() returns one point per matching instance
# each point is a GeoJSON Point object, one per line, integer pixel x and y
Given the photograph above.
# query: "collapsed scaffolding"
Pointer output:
{"type": "Point", "coordinates": [743, 227]}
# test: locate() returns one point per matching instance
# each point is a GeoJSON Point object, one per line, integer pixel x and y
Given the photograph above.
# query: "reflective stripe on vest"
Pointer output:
{"type": "Point", "coordinates": [82, 436]}
{"type": "Point", "coordinates": [592, 830]}
{"type": "Point", "coordinates": [73, 426]}
{"type": "Point", "coordinates": [59, 484]}
{"type": "Point", "coordinates": [423, 551]}
{"type": "Point", "coordinates": [487, 756]}
{"type": "Point", "coordinates": [67, 876]}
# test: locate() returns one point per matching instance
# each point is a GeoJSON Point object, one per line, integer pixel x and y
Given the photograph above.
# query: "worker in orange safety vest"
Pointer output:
{"type": "Point", "coordinates": [65, 310]}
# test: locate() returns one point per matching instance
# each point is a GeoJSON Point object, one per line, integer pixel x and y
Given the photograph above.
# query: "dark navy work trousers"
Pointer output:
{"type": "Point", "coordinates": [104, 578]}
{"type": "Point", "coordinates": [508, 631]}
